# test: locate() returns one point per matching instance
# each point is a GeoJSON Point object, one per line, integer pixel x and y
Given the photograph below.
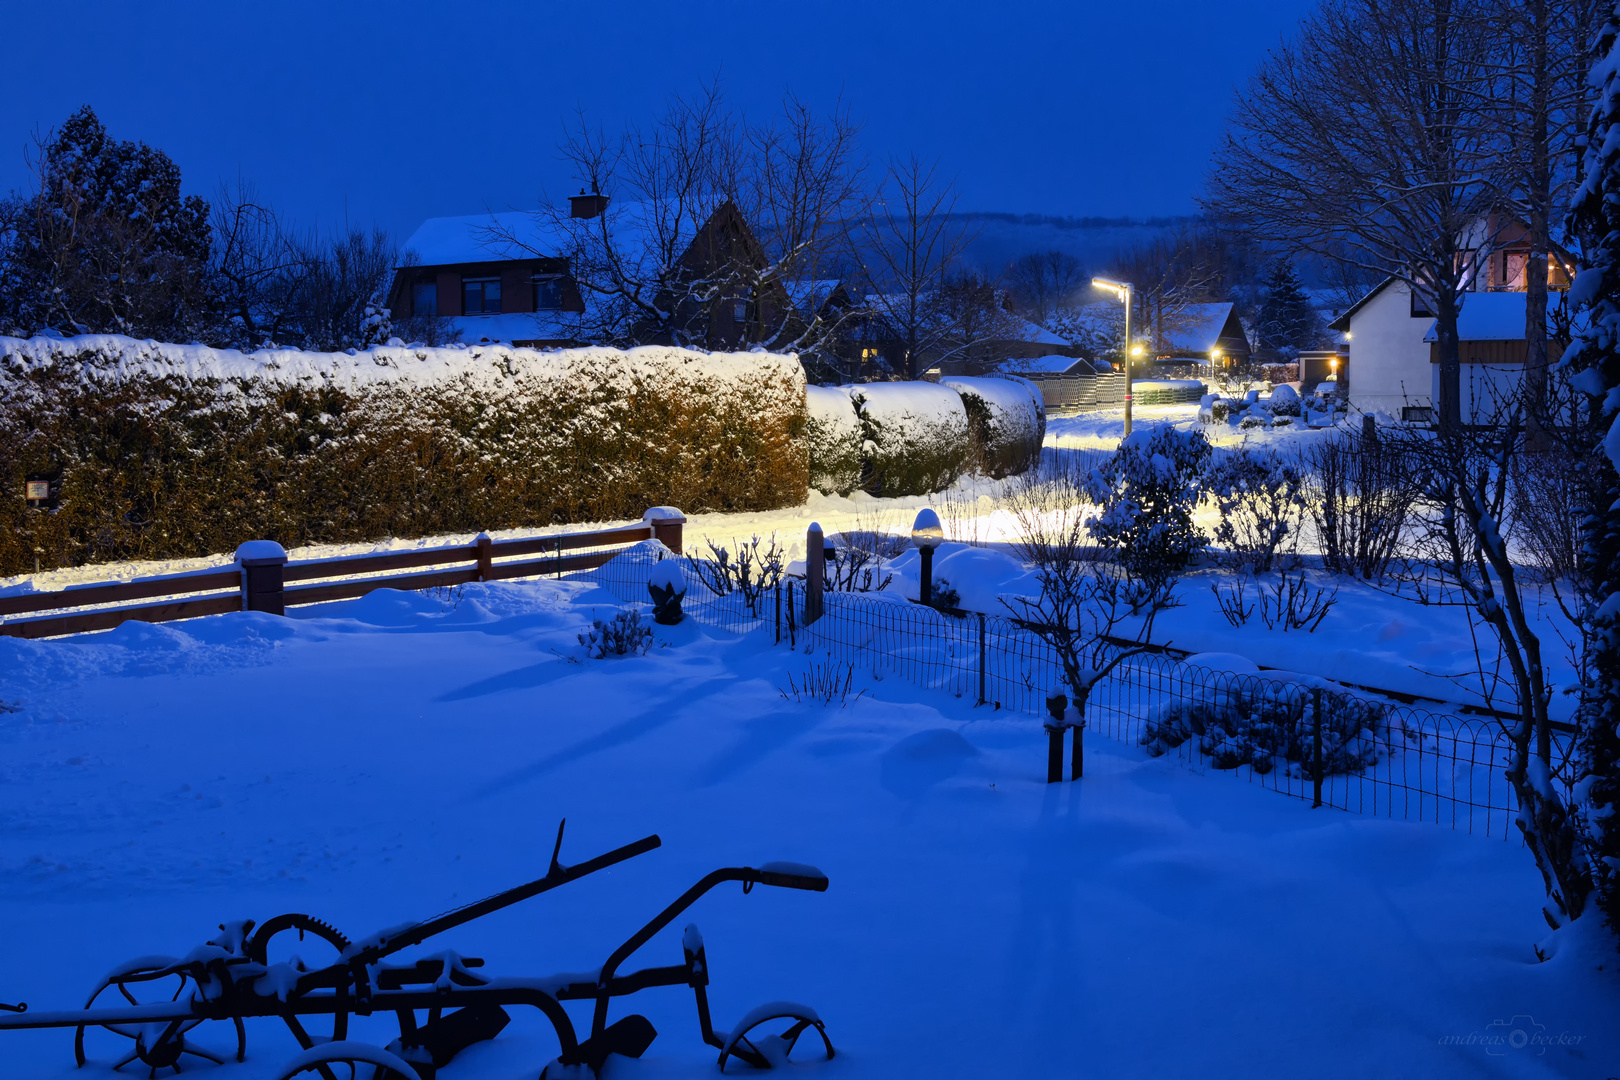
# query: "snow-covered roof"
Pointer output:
{"type": "Point", "coordinates": [1489, 316]}
{"type": "Point", "coordinates": [1042, 365]}
{"type": "Point", "coordinates": [809, 296]}
{"type": "Point", "coordinates": [517, 326]}
{"type": "Point", "coordinates": [484, 238]}
{"type": "Point", "coordinates": [1024, 330]}
{"type": "Point", "coordinates": [1197, 327]}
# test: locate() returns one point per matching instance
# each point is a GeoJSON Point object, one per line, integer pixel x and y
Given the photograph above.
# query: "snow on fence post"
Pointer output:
{"type": "Point", "coordinates": [666, 522]}
{"type": "Point", "coordinates": [815, 572]}
{"type": "Point", "coordinates": [1057, 705]}
{"type": "Point", "coordinates": [486, 562]}
{"type": "Point", "coordinates": [1316, 747]}
{"type": "Point", "coordinates": [261, 562]}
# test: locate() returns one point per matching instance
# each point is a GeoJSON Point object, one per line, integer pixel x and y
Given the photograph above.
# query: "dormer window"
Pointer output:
{"type": "Point", "coordinates": [548, 292]}
{"type": "Point", "coordinates": [481, 296]}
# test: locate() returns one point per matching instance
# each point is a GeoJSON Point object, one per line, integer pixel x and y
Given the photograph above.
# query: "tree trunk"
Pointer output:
{"type": "Point", "coordinates": [1539, 197]}
{"type": "Point", "coordinates": [1449, 408]}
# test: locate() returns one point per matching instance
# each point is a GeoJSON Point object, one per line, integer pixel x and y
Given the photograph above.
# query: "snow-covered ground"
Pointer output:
{"type": "Point", "coordinates": [384, 759]}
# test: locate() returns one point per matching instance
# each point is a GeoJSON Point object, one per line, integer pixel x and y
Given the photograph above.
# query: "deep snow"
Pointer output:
{"type": "Point", "coordinates": [383, 759]}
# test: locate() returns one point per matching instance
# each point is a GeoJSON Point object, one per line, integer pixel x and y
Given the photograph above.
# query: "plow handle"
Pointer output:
{"type": "Point", "coordinates": [557, 875]}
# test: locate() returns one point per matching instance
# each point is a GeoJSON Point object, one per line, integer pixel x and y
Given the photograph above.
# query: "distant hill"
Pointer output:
{"type": "Point", "coordinates": [1093, 240]}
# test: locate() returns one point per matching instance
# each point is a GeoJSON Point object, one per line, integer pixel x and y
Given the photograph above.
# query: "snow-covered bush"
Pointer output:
{"type": "Point", "coordinates": [751, 574]}
{"type": "Point", "coordinates": [1255, 416]}
{"type": "Point", "coordinates": [833, 434]}
{"type": "Point", "coordinates": [1259, 496]}
{"type": "Point", "coordinates": [1213, 409]}
{"type": "Point", "coordinates": [1147, 492]}
{"type": "Point", "coordinates": [1006, 424]}
{"type": "Point", "coordinates": [1248, 721]}
{"type": "Point", "coordinates": [667, 587]}
{"type": "Point", "coordinates": [623, 635]}
{"type": "Point", "coordinates": [167, 451]}
{"type": "Point", "coordinates": [916, 437]}
{"type": "Point", "coordinates": [1284, 401]}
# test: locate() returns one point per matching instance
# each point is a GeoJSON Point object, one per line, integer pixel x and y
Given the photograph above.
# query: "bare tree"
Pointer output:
{"type": "Point", "coordinates": [910, 243]}
{"type": "Point", "coordinates": [258, 269]}
{"type": "Point", "coordinates": [1045, 282]}
{"type": "Point", "coordinates": [1371, 138]}
{"type": "Point", "coordinates": [1173, 274]}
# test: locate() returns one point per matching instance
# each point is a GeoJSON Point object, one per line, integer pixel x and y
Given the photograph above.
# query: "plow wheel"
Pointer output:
{"type": "Point", "coordinates": [261, 949]}
{"type": "Point", "coordinates": [348, 1061]}
{"type": "Point", "coordinates": [764, 1051]}
{"type": "Point", "coordinates": [145, 981]}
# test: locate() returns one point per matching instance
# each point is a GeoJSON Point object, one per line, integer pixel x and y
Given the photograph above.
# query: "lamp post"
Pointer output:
{"type": "Point", "coordinates": [1124, 290]}
{"type": "Point", "coordinates": [927, 535]}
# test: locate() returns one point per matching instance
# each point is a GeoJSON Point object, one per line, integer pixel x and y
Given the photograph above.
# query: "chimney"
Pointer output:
{"type": "Point", "coordinates": [587, 206]}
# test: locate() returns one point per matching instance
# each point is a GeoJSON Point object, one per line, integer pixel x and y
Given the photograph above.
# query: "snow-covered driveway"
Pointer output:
{"type": "Point", "coordinates": [384, 759]}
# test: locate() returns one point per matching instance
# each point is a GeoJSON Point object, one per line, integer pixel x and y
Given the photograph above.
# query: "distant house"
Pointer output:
{"type": "Point", "coordinates": [1392, 362]}
{"type": "Point", "coordinates": [1205, 333]}
{"type": "Point", "coordinates": [502, 277]}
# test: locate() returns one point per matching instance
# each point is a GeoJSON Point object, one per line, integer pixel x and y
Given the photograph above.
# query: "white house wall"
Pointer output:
{"type": "Point", "coordinates": [1389, 360]}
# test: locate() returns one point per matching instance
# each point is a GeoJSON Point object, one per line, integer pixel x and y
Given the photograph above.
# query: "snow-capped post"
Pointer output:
{"type": "Point", "coordinates": [666, 522]}
{"type": "Point", "coordinates": [667, 585]}
{"type": "Point", "coordinates": [815, 572]}
{"type": "Point", "coordinates": [261, 562]}
{"type": "Point", "coordinates": [486, 563]}
{"type": "Point", "coordinates": [1058, 706]}
{"type": "Point", "coordinates": [927, 535]}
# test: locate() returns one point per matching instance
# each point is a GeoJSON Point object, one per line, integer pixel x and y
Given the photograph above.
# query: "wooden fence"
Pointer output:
{"type": "Point", "coordinates": [263, 579]}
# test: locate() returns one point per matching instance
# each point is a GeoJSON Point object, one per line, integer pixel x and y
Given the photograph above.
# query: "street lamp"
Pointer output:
{"type": "Point", "coordinates": [1123, 290]}
{"type": "Point", "coordinates": [927, 535]}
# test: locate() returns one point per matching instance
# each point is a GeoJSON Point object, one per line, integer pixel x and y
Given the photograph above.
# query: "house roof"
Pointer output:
{"type": "Point", "coordinates": [1042, 365]}
{"type": "Point", "coordinates": [1490, 316]}
{"type": "Point", "coordinates": [1342, 323]}
{"type": "Point", "coordinates": [484, 238]}
{"type": "Point", "coordinates": [1197, 328]}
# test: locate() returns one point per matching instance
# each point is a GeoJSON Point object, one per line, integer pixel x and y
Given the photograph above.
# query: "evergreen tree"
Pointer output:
{"type": "Point", "coordinates": [107, 244]}
{"type": "Point", "coordinates": [1594, 357]}
{"type": "Point", "coordinates": [1288, 321]}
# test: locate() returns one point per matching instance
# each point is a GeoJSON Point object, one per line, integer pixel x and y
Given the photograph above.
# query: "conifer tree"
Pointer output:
{"type": "Point", "coordinates": [1287, 322]}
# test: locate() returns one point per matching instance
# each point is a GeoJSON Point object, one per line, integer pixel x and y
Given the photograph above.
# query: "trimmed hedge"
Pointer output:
{"type": "Point", "coordinates": [1006, 424]}
{"type": "Point", "coordinates": [916, 437]}
{"type": "Point", "coordinates": [833, 432]}
{"type": "Point", "coordinates": [168, 451]}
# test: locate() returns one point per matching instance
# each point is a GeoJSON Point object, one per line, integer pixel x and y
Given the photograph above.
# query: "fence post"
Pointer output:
{"type": "Point", "coordinates": [486, 565]}
{"type": "Point", "coordinates": [981, 660]}
{"type": "Point", "coordinates": [262, 582]}
{"type": "Point", "coordinates": [1077, 752]}
{"type": "Point", "coordinates": [815, 572]}
{"type": "Point", "coordinates": [793, 641]}
{"type": "Point", "coordinates": [1057, 705]}
{"type": "Point", "coordinates": [778, 613]}
{"type": "Point", "coordinates": [1316, 747]}
{"type": "Point", "coordinates": [666, 522]}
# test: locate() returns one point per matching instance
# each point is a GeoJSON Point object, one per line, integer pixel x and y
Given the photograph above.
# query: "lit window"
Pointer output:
{"type": "Point", "coordinates": [480, 296]}
{"type": "Point", "coordinates": [547, 294]}
{"type": "Point", "coordinates": [739, 311]}
{"type": "Point", "coordinates": [425, 298]}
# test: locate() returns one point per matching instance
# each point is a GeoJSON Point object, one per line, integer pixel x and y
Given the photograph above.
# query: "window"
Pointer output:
{"type": "Point", "coordinates": [548, 293]}
{"type": "Point", "coordinates": [425, 298]}
{"type": "Point", "coordinates": [739, 311]}
{"type": "Point", "coordinates": [1420, 307]}
{"type": "Point", "coordinates": [480, 296]}
{"type": "Point", "coordinates": [1417, 414]}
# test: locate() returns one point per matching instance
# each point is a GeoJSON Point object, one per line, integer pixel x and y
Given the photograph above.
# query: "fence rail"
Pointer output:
{"type": "Point", "coordinates": [259, 580]}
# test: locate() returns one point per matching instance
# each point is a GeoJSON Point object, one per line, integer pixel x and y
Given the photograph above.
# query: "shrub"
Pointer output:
{"type": "Point", "coordinates": [1259, 495]}
{"type": "Point", "coordinates": [1147, 492]}
{"type": "Point", "coordinates": [1276, 374]}
{"type": "Point", "coordinates": [624, 635]}
{"type": "Point", "coordinates": [169, 451]}
{"type": "Point", "coordinates": [1284, 401]}
{"type": "Point", "coordinates": [833, 435]}
{"type": "Point", "coordinates": [916, 437]}
{"type": "Point", "coordinates": [1360, 498]}
{"type": "Point", "coordinates": [1006, 424]}
{"type": "Point", "coordinates": [1255, 722]}
{"type": "Point", "coordinates": [752, 574]}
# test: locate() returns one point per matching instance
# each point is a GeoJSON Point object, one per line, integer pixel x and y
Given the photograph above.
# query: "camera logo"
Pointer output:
{"type": "Point", "coordinates": [1519, 1033]}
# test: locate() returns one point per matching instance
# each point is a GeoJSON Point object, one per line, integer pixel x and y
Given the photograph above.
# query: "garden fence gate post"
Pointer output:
{"type": "Point", "coordinates": [1316, 747]}
{"type": "Point", "coordinates": [666, 523]}
{"type": "Point", "coordinates": [981, 660]}
{"type": "Point", "coordinates": [261, 562]}
{"type": "Point", "coordinates": [815, 572]}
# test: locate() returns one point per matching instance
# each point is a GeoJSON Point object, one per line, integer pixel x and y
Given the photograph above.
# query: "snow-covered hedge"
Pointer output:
{"type": "Point", "coordinates": [174, 450]}
{"type": "Point", "coordinates": [833, 432]}
{"type": "Point", "coordinates": [916, 436]}
{"type": "Point", "coordinates": [1006, 423]}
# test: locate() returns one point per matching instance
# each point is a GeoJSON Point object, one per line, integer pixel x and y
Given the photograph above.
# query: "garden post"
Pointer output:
{"type": "Point", "coordinates": [666, 523]}
{"type": "Point", "coordinates": [981, 660]}
{"type": "Point", "coordinates": [815, 572]}
{"type": "Point", "coordinates": [1316, 747]}
{"type": "Point", "coordinates": [261, 562]}
{"type": "Point", "coordinates": [1077, 752]}
{"type": "Point", "coordinates": [1057, 705]}
{"type": "Point", "coordinates": [778, 613]}
{"type": "Point", "coordinates": [793, 641]}
{"type": "Point", "coordinates": [486, 564]}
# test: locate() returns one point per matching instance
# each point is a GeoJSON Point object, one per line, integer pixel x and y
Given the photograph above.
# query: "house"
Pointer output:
{"type": "Point", "coordinates": [494, 277]}
{"type": "Point", "coordinates": [1206, 333]}
{"type": "Point", "coordinates": [1392, 362]}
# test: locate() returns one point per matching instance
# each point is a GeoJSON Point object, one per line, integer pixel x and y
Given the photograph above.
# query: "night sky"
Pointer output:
{"type": "Point", "coordinates": [390, 113]}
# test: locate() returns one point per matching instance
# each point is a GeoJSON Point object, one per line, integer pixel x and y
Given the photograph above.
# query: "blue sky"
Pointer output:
{"type": "Point", "coordinates": [390, 113]}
